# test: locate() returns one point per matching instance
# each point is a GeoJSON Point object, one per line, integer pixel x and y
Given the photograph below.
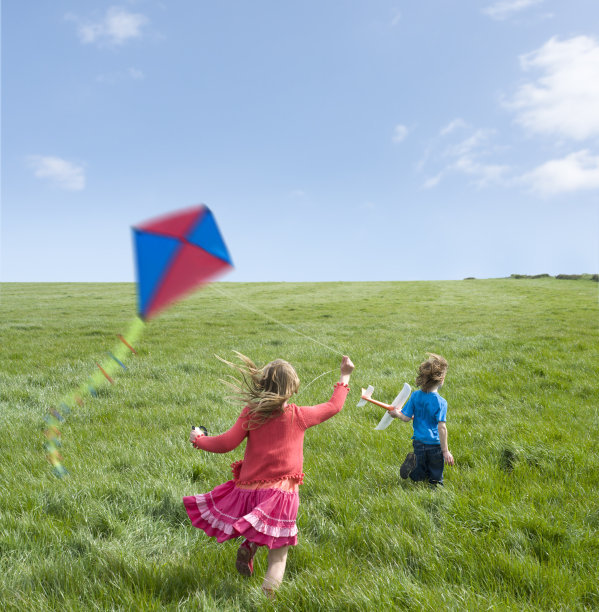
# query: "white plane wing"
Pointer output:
{"type": "Point", "coordinates": [398, 402]}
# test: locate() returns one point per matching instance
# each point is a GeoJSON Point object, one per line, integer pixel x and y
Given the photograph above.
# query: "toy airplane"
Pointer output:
{"type": "Point", "coordinates": [398, 402]}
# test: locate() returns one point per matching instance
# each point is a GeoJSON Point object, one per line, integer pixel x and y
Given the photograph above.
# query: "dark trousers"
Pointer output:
{"type": "Point", "coordinates": [429, 463]}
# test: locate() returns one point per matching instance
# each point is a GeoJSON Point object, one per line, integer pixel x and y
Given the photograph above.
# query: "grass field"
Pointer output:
{"type": "Point", "coordinates": [515, 528]}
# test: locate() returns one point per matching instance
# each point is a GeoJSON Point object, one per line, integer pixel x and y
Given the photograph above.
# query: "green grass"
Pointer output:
{"type": "Point", "coordinates": [515, 528]}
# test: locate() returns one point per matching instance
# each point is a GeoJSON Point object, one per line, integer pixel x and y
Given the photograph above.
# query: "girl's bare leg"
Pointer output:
{"type": "Point", "coordinates": [277, 560]}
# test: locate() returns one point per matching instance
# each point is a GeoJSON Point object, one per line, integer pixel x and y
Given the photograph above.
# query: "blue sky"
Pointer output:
{"type": "Point", "coordinates": [374, 140]}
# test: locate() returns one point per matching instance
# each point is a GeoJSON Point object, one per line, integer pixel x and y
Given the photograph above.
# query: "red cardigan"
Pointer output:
{"type": "Point", "coordinates": [274, 450]}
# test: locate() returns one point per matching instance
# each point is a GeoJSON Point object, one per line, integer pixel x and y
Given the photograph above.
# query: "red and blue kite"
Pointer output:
{"type": "Point", "coordinates": [176, 254]}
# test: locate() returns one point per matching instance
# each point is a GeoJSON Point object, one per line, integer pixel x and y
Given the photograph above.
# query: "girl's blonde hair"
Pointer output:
{"type": "Point", "coordinates": [264, 390]}
{"type": "Point", "coordinates": [431, 372]}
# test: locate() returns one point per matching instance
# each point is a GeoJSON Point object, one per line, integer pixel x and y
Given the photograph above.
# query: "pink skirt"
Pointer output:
{"type": "Point", "coordinates": [265, 516]}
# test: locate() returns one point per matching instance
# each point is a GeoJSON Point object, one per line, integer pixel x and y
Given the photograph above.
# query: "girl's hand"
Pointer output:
{"type": "Point", "coordinates": [195, 434]}
{"type": "Point", "coordinates": [448, 457]}
{"type": "Point", "coordinates": [347, 367]}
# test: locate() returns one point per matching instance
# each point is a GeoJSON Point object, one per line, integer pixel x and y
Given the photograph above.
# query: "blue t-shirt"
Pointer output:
{"type": "Point", "coordinates": [428, 409]}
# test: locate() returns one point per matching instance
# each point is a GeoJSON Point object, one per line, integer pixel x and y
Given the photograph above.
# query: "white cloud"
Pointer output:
{"type": "Point", "coordinates": [432, 181]}
{"type": "Point", "coordinates": [399, 133]}
{"type": "Point", "coordinates": [421, 163]}
{"type": "Point", "coordinates": [396, 18]}
{"type": "Point", "coordinates": [60, 172]}
{"type": "Point", "coordinates": [136, 74]}
{"type": "Point", "coordinates": [564, 100]}
{"type": "Point", "coordinates": [452, 126]}
{"type": "Point", "coordinates": [482, 173]}
{"type": "Point", "coordinates": [111, 78]}
{"type": "Point", "coordinates": [468, 156]}
{"type": "Point", "coordinates": [574, 172]}
{"type": "Point", "coordinates": [468, 145]}
{"type": "Point", "coordinates": [506, 8]}
{"type": "Point", "coordinates": [115, 28]}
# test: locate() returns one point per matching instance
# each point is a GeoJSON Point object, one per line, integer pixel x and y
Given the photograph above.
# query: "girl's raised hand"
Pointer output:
{"type": "Point", "coordinates": [347, 367]}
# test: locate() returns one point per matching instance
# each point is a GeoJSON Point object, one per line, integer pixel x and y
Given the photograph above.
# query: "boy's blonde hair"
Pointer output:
{"type": "Point", "coordinates": [431, 372]}
{"type": "Point", "coordinates": [264, 390]}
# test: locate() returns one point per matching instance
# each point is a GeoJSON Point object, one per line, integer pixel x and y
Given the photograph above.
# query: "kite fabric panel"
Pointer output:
{"type": "Point", "coordinates": [176, 254]}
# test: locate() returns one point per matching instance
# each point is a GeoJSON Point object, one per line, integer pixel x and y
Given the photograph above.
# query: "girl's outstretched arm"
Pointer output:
{"type": "Point", "coordinates": [313, 415]}
{"type": "Point", "coordinates": [225, 442]}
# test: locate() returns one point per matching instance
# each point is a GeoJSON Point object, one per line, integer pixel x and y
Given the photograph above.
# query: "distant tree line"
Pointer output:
{"type": "Point", "coordinates": [591, 277]}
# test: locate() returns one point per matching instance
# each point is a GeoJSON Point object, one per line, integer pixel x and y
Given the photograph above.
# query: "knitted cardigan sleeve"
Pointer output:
{"type": "Point", "coordinates": [313, 415]}
{"type": "Point", "coordinates": [225, 442]}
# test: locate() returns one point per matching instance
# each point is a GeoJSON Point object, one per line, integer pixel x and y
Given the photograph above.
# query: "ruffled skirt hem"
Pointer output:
{"type": "Point", "coordinates": [266, 517]}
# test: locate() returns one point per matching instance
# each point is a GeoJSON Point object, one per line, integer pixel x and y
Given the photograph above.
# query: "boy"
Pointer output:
{"type": "Point", "coordinates": [429, 410]}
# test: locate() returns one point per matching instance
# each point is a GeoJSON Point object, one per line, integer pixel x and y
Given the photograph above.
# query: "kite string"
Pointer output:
{"type": "Point", "coordinates": [314, 380]}
{"type": "Point", "coordinates": [296, 331]}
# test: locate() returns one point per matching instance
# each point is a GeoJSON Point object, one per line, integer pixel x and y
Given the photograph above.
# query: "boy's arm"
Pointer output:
{"type": "Point", "coordinates": [447, 456]}
{"type": "Point", "coordinates": [406, 415]}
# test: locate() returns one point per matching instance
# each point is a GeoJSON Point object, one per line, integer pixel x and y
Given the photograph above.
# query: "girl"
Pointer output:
{"type": "Point", "coordinates": [261, 501]}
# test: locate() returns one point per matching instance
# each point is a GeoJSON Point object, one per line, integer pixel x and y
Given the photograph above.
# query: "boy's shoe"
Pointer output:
{"type": "Point", "coordinates": [408, 465]}
{"type": "Point", "coordinates": [245, 558]}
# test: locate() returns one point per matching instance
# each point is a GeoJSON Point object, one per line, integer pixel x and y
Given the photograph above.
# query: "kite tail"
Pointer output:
{"type": "Point", "coordinates": [114, 361]}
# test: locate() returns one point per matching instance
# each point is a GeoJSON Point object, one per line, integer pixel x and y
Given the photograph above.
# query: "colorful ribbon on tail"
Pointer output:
{"type": "Point", "coordinates": [100, 377]}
